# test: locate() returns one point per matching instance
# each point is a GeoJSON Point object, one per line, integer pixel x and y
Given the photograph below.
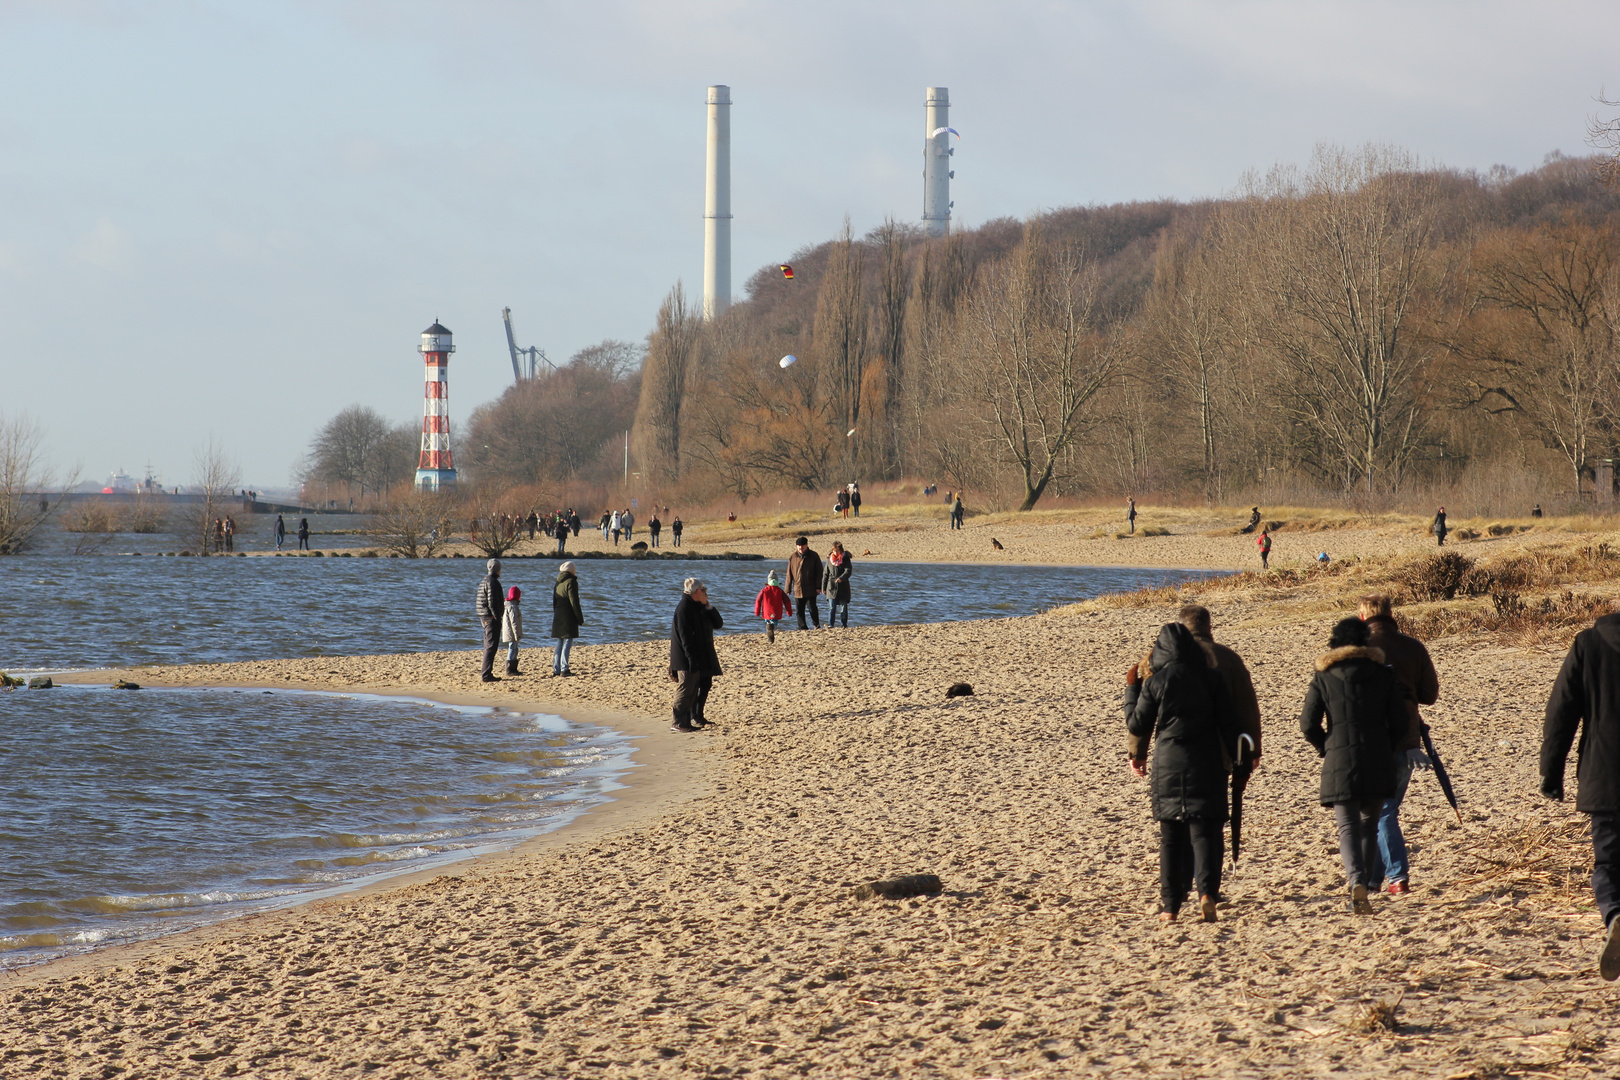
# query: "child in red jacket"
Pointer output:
{"type": "Point", "coordinates": [773, 605]}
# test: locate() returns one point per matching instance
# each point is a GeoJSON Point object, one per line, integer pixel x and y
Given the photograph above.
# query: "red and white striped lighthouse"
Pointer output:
{"type": "Point", "coordinates": [435, 470]}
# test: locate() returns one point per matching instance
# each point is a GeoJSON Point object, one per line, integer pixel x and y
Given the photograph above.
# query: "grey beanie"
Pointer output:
{"type": "Point", "coordinates": [493, 566]}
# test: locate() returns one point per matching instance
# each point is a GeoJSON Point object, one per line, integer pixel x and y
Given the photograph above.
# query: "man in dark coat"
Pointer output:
{"type": "Point", "coordinates": [566, 616]}
{"type": "Point", "coordinates": [1181, 704]}
{"type": "Point", "coordinates": [561, 533]}
{"type": "Point", "coordinates": [1359, 697]}
{"type": "Point", "coordinates": [1588, 690]}
{"type": "Point", "coordinates": [692, 660]}
{"type": "Point", "coordinates": [803, 581]}
{"type": "Point", "coordinates": [1420, 685]}
{"type": "Point", "coordinates": [491, 606]}
{"type": "Point", "coordinates": [1438, 527]}
{"type": "Point", "coordinates": [1234, 672]}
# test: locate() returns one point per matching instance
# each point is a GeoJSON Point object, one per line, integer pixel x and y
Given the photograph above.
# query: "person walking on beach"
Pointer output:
{"type": "Point", "coordinates": [1420, 685]}
{"type": "Point", "coordinates": [693, 664]}
{"type": "Point", "coordinates": [512, 628]}
{"type": "Point", "coordinates": [803, 580]}
{"type": "Point", "coordinates": [1264, 544]}
{"type": "Point", "coordinates": [281, 531]}
{"type": "Point", "coordinates": [773, 605]}
{"type": "Point", "coordinates": [841, 503]}
{"type": "Point", "coordinates": [654, 527]}
{"type": "Point", "coordinates": [1588, 692]}
{"type": "Point", "coordinates": [1234, 672]}
{"type": "Point", "coordinates": [1177, 701]}
{"type": "Point", "coordinates": [491, 607]}
{"type": "Point", "coordinates": [855, 497]}
{"type": "Point", "coordinates": [956, 512]}
{"type": "Point", "coordinates": [566, 617]}
{"type": "Point", "coordinates": [675, 531]}
{"type": "Point", "coordinates": [615, 524]}
{"type": "Point", "coordinates": [1438, 527]}
{"type": "Point", "coordinates": [628, 521]}
{"type": "Point", "coordinates": [561, 533]}
{"type": "Point", "coordinates": [303, 534]}
{"type": "Point", "coordinates": [835, 583]}
{"type": "Point", "coordinates": [1355, 714]}
{"type": "Point", "coordinates": [1130, 513]}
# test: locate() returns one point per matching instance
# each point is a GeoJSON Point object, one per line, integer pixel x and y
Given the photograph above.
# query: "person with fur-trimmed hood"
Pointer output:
{"type": "Point", "coordinates": [1360, 699]}
{"type": "Point", "coordinates": [1177, 699]}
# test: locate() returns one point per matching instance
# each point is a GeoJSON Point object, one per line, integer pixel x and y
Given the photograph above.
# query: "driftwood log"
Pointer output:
{"type": "Point", "coordinates": [900, 888]}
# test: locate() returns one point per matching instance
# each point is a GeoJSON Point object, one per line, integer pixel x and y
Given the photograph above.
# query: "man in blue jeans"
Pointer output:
{"type": "Point", "coordinates": [1588, 691]}
{"type": "Point", "coordinates": [1420, 685]}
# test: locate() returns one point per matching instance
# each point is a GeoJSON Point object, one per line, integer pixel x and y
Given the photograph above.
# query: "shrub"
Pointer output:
{"type": "Point", "coordinates": [1438, 577]}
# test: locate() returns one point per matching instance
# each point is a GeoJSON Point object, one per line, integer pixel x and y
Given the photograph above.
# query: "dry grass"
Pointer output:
{"type": "Point", "coordinates": [1520, 595]}
{"type": "Point", "coordinates": [1550, 865]}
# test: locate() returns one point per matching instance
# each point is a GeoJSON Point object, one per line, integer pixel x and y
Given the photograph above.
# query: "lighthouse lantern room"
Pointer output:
{"type": "Point", "coordinates": [435, 470]}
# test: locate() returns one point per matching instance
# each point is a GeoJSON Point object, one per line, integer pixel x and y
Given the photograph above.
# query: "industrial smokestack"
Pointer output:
{"type": "Point", "coordinates": [717, 207]}
{"type": "Point", "coordinates": [937, 162]}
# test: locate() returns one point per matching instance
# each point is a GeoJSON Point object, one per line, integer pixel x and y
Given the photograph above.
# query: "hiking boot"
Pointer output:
{"type": "Point", "coordinates": [488, 678]}
{"type": "Point", "coordinates": [1206, 907]}
{"type": "Point", "coordinates": [1609, 959]}
{"type": "Point", "coordinates": [1359, 904]}
{"type": "Point", "coordinates": [511, 669]}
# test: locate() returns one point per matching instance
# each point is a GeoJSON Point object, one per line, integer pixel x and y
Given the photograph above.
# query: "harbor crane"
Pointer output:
{"type": "Point", "coordinates": [525, 362]}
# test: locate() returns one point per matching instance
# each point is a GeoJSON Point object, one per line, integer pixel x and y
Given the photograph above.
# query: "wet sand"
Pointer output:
{"type": "Point", "coordinates": [709, 929]}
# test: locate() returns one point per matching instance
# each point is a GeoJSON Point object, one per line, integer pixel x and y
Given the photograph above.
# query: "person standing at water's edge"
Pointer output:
{"type": "Point", "coordinates": [1130, 513]}
{"type": "Point", "coordinates": [562, 534]}
{"type": "Point", "coordinates": [803, 580]}
{"type": "Point", "coordinates": [1359, 697]}
{"type": "Point", "coordinates": [693, 664]}
{"type": "Point", "coordinates": [491, 608]}
{"type": "Point", "coordinates": [675, 528]}
{"type": "Point", "coordinates": [1420, 685]}
{"type": "Point", "coordinates": [835, 583]}
{"type": "Point", "coordinates": [1177, 700]}
{"type": "Point", "coordinates": [303, 534]}
{"type": "Point", "coordinates": [772, 604]}
{"type": "Point", "coordinates": [566, 617]}
{"type": "Point", "coordinates": [281, 531]}
{"type": "Point", "coordinates": [1588, 692]}
{"type": "Point", "coordinates": [512, 628]}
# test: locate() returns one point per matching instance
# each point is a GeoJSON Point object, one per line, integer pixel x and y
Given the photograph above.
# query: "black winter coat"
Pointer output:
{"type": "Point", "coordinates": [691, 638]}
{"type": "Point", "coordinates": [1185, 707]}
{"type": "Point", "coordinates": [566, 614]}
{"type": "Point", "coordinates": [1361, 699]}
{"type": "Point", "coordinates": [1588, 688]}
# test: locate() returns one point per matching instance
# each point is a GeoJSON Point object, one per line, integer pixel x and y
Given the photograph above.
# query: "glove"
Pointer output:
{"type": "Point", "coordinates": [1553, 788]}
{"type": "Point", "coordinates": [1420, 761]}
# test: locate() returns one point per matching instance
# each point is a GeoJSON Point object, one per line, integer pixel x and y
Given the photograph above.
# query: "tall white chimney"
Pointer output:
{"type": "Point", "coordinates": [937, 153]}
{"type": "Point", "coordinates": [717, 207]}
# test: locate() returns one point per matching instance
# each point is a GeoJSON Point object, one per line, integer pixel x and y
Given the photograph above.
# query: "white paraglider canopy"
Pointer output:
{"type": "Point", "coordinates": [942, 130]}
{"type": "Point", "coordinates": [788, 361]}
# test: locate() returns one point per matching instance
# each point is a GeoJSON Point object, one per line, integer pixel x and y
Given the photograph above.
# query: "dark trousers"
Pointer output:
{"type": "Point", "coordinates": [691, 695]}
{"type": "Point", "coordinates": [1190, 852]}
{"type": "Point", "coordinates": [808, 604]}
{"type": "Point", "coordinates": [562, 542]}
{"type": "Point", "coordinates": [492, 642]}
{"type": "Point", "coordinates": [1606, 864]}
{"type": "Point", "coordinates": [1358, 842]}
{"type": "Point", "coordinates": [677, 537]}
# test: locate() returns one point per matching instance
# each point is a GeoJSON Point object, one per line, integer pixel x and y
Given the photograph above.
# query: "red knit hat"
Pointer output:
{"type": "Point", "coordinates": [514, 593]}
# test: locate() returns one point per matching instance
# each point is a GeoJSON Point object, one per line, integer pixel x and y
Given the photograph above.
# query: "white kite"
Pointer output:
{"type": "Point", "coordinates": [788, 361]}
{"type": "Point", "coordinates": [942, 130]}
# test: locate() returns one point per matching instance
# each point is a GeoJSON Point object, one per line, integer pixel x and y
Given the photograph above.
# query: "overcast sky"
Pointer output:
{"type": "Point", "coordinates": [236, 217]}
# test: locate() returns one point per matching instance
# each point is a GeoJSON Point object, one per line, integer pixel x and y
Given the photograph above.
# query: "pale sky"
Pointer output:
{"type": "Point", "coordinates": [234, 218]}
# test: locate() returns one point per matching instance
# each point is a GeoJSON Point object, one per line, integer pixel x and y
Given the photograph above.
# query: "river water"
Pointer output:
{"type": "Point", "coordinates": [129, 813]}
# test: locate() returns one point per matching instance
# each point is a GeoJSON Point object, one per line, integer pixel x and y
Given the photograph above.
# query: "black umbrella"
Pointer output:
{"type": "Point", "coordinates": [1242, 769]}
{"type": "Point", "coordinates": [1440, 773]}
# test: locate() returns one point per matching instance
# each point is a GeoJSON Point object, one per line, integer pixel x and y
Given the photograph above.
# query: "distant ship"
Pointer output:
{"type": "Point", "coordinates": [120, 483]}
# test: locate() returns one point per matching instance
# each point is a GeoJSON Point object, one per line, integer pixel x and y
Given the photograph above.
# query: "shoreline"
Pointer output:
{"type": "Point", "coordinates": [720, 934]}
{"type": "Point", "coordinates": [646, 788]}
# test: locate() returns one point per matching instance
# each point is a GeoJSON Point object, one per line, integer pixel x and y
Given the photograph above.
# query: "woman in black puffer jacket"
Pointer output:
{"type": "Point", "coordinates": [1181, 704]}
{"type": "Point", "coordinates": [1361, 700]}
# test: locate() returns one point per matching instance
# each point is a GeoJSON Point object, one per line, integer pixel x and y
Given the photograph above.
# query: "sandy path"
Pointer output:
{"type": "Point", "coordinates": [718, 937]}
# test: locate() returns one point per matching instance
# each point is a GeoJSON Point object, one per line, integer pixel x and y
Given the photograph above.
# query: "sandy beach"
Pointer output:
{"type": "Point", "coordinates": [705, 925]}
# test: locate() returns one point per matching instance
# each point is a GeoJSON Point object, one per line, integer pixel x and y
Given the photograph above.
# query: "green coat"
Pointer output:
{"type": "Point", "coordinates": [566, 616]}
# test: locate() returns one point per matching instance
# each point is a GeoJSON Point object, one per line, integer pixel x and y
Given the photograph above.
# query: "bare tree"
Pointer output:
{"type": "Point", "coordinates": [25, 483]}
{"type": "Point", "coordinates": [840, 338]}
{"type": "Point", "coordinates": [496, 512]}
{"type": "Point", "coordinates": [359, 447]}
{"type": "Point", "coordinates": [1031, 354]}
{"type": "Point", "coordinates": [1347, 248]}
{"type": "Point", "coordinates": [889, 341]}
{"type": "Point", "coordinates": [671, 351]}
{"type": "Point", "coordinates": [1603, 133]}
{"type": "Point", "coordinates": [415, 523]}
{"type": "Point", "coordinates": [214, 486]}
{"type": "Point", "coordinates": [1541, 339]}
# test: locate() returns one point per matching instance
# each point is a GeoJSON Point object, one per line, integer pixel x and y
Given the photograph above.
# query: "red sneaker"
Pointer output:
{"type": "Point", "coordinates": [1399, 888]}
